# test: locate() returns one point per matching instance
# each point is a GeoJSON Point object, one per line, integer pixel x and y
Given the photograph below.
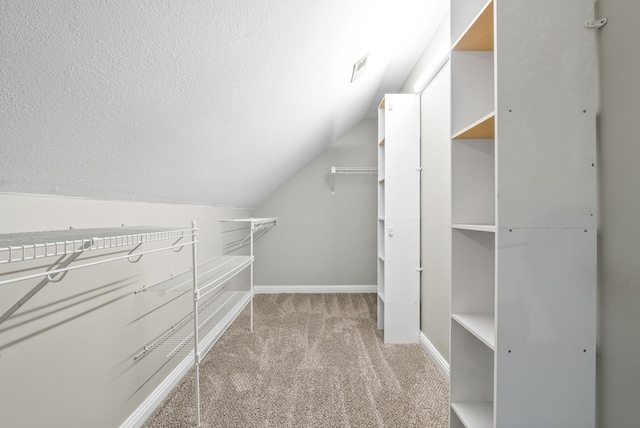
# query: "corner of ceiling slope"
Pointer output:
{"type": "Point", "coordinates": [93, 89]}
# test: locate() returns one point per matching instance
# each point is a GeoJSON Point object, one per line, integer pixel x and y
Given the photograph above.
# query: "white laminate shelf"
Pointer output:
{"type": "Point", "coordinates": [476, 227]}
{"type": "Point", "coordinates": [474, 414]}
{"type": "Point", "coordinates": [481, 326]}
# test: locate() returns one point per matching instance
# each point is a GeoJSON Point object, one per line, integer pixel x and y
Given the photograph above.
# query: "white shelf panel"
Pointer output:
{"type": "Point", "coordinates": [381, 295]}
{"type": "Point", "coordinates": [480, 325]}
{"type": "Point", "coordinates": [477, 227]}
{"type": "Point", "coordinates": [17, 247]}
{"type": "Point", "coordinates": [474, 415]}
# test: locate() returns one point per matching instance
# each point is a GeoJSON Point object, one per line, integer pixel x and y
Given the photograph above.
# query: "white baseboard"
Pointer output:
{"type": "Point", "coordinates": [435, 356]}
{"type": "Point", "coordinates": [155, 399]}
{"type": "Point", "coordinates": [278, 289]}
{"type": "Point", "coordinates": [140, 415]}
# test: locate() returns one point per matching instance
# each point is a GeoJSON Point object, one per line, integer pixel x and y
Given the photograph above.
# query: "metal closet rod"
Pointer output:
{"type": "Point", "coordinates": [354, 170]}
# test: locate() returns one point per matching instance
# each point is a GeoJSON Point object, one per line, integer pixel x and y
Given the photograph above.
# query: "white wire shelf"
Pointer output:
{"type": "Point", "coordinates": [264, 222]}
{"type": "Point", "coordinates": [18, 247]}
{"type": "Point", "coordinates": [68, 245]}
{"type": "Point", "coordinates": [257, 228]}
{"type": "Point", "coordinates": [214, 315]}
{"type": "Point", "coordinates": [211, 275]}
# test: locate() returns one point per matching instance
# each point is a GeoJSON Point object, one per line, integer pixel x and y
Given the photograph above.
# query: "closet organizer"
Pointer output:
{"type": "Point", "coordinates": [216, 301]}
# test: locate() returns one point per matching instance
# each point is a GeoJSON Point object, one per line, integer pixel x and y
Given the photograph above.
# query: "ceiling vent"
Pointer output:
{"type": "Point", "coordinates": [358, 68]}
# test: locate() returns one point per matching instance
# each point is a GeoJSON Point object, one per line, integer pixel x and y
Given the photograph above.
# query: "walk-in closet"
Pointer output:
{"type": "Point", "coordinates": [347, 213]}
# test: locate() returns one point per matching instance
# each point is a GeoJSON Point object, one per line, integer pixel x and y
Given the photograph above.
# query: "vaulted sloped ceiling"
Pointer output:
{"type": "Point", "coordinates": [211, 102]}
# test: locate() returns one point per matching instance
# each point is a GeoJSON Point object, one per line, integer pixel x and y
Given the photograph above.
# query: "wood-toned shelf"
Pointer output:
{"type": "Point", "coordinates": [481, 326]}
{"type": "Point", "coordinates": [474, 415]}
{"type": "Point", "coordinates": [482, 129]}
{"type": "Point", "coordinates": [479, 35]}
{"type": "Point", "coordinates": [381, 143]}
{"type": "Point", "coordinates": [475, 227]}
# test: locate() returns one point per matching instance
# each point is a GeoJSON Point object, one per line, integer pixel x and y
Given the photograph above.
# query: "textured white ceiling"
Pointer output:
{"type": "Point", "coordinates": [205, 102]}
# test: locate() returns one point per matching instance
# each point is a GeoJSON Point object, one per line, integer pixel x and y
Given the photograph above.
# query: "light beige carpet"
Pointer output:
{"type": "Point", "coordinates": [313, 360]}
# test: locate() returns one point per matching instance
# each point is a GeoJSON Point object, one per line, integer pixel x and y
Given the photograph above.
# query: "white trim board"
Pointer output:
{"type": "Point", "coordinates": [155, 399]}
{"type": "Point", "coordinates": [435, 356]}
{"type": "Point", "coordinates": [316, 289]}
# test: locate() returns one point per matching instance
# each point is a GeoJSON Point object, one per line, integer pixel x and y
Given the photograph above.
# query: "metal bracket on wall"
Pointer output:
{"type": "Point", "coordinates": [597, 24]}
{"type": "Point", "coordinates": [57, 276]}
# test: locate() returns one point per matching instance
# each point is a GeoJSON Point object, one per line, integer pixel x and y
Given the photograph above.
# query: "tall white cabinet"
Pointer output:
{"type": "Point", "coordinates": [523, 280]}
{"type": "Point", "coordinates": [399, 218]}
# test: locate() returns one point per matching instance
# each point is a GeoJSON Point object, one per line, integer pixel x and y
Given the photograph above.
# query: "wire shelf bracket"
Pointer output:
{"type": "Point", "coordinates": [68, 245]}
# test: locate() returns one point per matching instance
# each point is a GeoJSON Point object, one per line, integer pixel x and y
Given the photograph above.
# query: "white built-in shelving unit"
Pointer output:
{"type": "Point", "coordinates": [523, 281]}
{"type": "Point", "coordinates": [399, 218]}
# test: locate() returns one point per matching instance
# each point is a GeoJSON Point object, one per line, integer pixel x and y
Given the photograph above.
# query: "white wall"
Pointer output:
{"type": "Point", "coordinates": [435, 287]}
{"type": "Point", "coordinates": [618, 386]}
{"type": "Point", "coordinates": [66, 357]}
{"type": "Point", "coordinates": [324, 238]}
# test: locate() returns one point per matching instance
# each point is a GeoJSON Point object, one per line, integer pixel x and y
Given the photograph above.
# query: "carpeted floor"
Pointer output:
{"type": "Point", "coordinates": [313, 360]}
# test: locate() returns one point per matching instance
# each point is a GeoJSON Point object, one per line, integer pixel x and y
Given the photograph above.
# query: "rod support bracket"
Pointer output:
{"type": "Point", "coordinates": [596, 24]}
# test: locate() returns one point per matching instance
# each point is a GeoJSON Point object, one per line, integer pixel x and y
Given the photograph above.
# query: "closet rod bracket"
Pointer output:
{"type": "Point", "coordinates": [596, 24]}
